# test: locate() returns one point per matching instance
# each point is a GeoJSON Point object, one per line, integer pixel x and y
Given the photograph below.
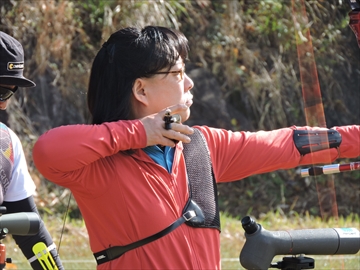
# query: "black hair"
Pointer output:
{"type": "Point", "coordinates": [129, 54]}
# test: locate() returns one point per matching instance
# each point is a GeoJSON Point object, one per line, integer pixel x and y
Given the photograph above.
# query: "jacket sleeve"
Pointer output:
{"type": "Point", "coordinates": [236, 155]}
{"type": "Point", "coordinates": [69, 148]}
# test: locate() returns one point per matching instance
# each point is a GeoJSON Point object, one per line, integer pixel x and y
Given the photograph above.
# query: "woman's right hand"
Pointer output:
{"type": "Point", "coordinates": [156, 133]}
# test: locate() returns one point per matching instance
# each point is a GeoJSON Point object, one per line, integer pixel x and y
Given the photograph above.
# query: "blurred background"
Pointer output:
{"type": "Point", "coordinates": [244, 63]}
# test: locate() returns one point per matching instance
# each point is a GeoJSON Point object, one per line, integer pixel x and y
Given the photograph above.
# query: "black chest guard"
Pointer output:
{"type": "Point", "coordinates": [202, 184]}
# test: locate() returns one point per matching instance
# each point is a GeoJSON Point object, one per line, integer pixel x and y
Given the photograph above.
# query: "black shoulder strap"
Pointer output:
{"type": "Point", "coordinates": [115, 252]}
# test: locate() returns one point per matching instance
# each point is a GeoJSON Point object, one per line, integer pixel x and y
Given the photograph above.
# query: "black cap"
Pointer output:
{"type": "Point", "coordinates": [12, 62]}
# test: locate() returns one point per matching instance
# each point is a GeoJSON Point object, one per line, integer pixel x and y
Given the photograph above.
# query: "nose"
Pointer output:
{"type": "Point", "coordinates": [189, 84]}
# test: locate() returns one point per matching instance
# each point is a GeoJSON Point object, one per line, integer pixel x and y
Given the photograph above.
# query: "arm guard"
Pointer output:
{"type": "Point", "coordinates": [307, 141]}
{"type": "Point", "coordinates": [39, 249]}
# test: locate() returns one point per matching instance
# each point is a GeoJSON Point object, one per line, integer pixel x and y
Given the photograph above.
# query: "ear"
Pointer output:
{"type": "Point", "coordinates": [139, 91]}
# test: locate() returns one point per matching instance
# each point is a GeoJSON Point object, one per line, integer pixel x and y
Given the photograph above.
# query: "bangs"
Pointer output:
{"type": "Point", "coordinates": [160, 49]}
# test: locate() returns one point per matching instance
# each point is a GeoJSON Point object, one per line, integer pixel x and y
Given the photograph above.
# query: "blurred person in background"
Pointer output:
{"type": "Point", "coordinates": [17, 186]}
{"type": "Point", "coordinates": [128, 171]}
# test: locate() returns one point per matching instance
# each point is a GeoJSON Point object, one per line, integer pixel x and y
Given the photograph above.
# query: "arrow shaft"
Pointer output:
{"type": "Point", "coordinates": [330, 169]}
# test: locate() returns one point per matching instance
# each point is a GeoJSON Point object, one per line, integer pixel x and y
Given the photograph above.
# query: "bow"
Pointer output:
{"type": "Point", "coordinates": [313, 106]}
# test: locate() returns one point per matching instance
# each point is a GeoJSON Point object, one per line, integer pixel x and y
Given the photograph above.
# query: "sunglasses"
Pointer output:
{"type": "Point", "coordinates": [181, 72]}
{"type": "Point", "coordinates": [6, 93]}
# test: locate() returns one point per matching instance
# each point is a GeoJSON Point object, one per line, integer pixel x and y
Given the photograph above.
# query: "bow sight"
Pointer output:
{"type": "Point", "coordinates": [262, 246]}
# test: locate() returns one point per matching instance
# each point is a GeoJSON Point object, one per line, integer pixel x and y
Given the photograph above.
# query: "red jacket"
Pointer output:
{"type": "Point", "coordinates": [124, 198]}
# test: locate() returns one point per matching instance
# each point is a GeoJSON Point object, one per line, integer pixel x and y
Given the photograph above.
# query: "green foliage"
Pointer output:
{"type": "Point", "coordinates": [249, 46]}
{"type": "Point", "coordinates": [272, 18]}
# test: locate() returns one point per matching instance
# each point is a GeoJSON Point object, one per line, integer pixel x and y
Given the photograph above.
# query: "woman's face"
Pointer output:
{"type": "Point", "coordinates": [164, 90]}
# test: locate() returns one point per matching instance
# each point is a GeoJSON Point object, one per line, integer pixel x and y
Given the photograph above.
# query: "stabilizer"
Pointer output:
{"type": "Point", "coordinates": [43, 255]}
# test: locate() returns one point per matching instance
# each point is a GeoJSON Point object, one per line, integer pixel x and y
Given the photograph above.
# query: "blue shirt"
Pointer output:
{"type": "Point", "coordinates": [164, 158]}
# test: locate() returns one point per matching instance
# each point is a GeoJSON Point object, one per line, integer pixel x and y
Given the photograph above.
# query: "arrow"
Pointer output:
{"type": "Point", "coordinates": [330, 169]}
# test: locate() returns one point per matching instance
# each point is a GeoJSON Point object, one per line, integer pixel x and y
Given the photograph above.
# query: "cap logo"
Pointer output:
{"type": "Point", "coordinates": [15, 65]}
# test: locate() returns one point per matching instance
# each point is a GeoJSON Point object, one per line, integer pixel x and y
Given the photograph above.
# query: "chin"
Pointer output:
{"type": "Point", "coordinates": [185, 116]}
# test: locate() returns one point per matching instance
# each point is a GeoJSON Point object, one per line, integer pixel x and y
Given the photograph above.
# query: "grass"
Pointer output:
{"type": "Point", "coordinates": [75, 253]}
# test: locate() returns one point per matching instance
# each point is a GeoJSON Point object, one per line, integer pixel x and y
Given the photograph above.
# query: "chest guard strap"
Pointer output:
{"type": "Point", "coordinates": [115, 252]}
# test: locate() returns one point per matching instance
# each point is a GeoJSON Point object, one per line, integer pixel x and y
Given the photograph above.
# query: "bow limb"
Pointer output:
{"type": "Point", "coordinates": [312, 99]}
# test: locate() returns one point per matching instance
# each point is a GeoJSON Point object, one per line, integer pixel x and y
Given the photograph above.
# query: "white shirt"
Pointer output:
{"type": "Point", "coordinates": [21, 185]}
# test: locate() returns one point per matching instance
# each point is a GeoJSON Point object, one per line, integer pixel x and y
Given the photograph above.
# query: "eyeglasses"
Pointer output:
{"type": "Point", "coordinates": [181, 72]}
{"type": "Point", "coordinates": [6, 93]}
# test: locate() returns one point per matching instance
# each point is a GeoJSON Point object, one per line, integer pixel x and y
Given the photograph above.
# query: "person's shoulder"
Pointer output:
{"type": "Point", "coordinates": [206, 129]}
{"type": "Point", "coordinates": [6, 129]}
{"type": "Point", "coordinates": [208, 132]}
{"type": "Point", "coordinates": [14, 138]}
{"type": "Point", "coordinates": [3, 126]}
